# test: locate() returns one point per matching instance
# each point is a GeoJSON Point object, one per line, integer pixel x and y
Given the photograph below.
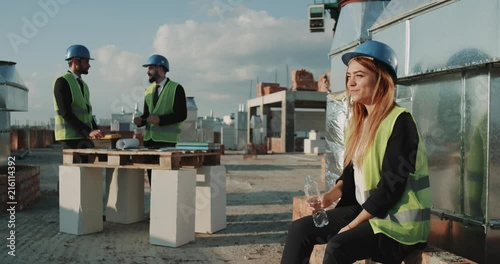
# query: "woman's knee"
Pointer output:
{"type": "Point", "coordinates": [333, 246]}
{"type": "Point", "coordinates": [298, 227]}
{"type": "Point", "coordinates": [335, 251]}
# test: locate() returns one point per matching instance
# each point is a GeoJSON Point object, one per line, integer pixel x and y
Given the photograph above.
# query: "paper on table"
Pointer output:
{"type": "Point", "coordinates": [127, 143]}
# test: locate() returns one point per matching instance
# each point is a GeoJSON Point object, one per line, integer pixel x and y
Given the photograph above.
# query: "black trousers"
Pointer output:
{"type": "Point", "coordinates": [354, 244]}
{"type": "Point", "coordinates": [156, 145]}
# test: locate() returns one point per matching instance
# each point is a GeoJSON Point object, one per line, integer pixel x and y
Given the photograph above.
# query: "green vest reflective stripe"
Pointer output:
{"type": "Point", "coordinates": [80, 106]}
{"type": "Point", "coordinates": [170, 133]}
{"type": "Point", "coordinates": [408, 222]}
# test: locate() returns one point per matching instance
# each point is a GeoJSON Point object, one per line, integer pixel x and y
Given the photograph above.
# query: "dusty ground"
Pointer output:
{"type": "Point", "coordinates": [259, 209]}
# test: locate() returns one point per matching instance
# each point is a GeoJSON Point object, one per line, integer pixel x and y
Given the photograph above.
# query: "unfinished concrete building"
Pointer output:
{"type": "Point", "coordinates": [281, 118]}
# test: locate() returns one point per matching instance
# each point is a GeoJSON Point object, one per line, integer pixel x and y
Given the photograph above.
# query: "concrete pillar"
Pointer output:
{"type": "Point", "coordinates": [210, 199]}
{"type": "Point", "coordinates": [288, 122]}
{"type": "Point", "coordinates": [173, 194]}
{"type": "Point", "coordinates": [80, 200]}
{"type": "Point", "coordinates": [267, 115]}
{"type": "Point", "coordinates": [125, 203]}
{"type": "Point", "coordinates": [251, 112]}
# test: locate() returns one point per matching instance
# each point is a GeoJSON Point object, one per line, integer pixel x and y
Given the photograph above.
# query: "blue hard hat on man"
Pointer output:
{"type": "Point", "coordinates": [377, 51]}
{"type": "Point", "coordinates": [78, 51]}
{"type": "Point", "coordinates": [157, 60]}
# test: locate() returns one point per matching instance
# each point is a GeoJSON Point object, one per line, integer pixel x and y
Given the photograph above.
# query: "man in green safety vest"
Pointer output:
{"type": "Point", "coordinates": [164, 107]}
{"type": "Point", "coordinates": [74, 122]}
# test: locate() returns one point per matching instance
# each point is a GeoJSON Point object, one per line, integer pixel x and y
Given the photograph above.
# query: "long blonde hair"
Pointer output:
{"type": "Point", "coordinates": [363, 127]}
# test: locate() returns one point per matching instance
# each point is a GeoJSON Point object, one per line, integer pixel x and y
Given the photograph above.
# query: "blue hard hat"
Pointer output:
{"type": "Point", "coordinates": [78, 51]}
{"type": "Point", "coordinates": [157, 60]}
{"type": "Point", "coordinates": [378, 51]}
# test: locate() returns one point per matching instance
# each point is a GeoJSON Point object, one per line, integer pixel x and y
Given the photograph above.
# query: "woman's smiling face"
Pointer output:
{"type": "Point", "coordinates": [360, 83]}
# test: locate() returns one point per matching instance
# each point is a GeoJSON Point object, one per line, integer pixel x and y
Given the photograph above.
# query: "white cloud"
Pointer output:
{"type": "Point", "coordinates": [208, 57]}
{"type": "Point", "coordinates": [217, 62]}
{"type": "Point", "coordinates": [118, 66]}
{"type": "Point", "coordinates": [254, 40]}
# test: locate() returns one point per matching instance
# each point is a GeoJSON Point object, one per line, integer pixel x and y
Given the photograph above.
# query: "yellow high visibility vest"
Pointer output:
{"type": "Point", "coordinates": [80, 106]}
{"type": "Point", "coordinates": [408, 222]}
{"type": "Point", "coordinates": [164, 106]}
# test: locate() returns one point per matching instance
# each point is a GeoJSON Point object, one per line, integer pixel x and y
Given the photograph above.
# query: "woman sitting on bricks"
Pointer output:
{"type": "Point", "coordinates": [384, 210]}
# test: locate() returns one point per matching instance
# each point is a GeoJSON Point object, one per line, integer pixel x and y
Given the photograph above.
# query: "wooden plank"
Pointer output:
{"type": "Point", "coordinates": [166, 162]}
{"type": "Point", "coordinates": [114, 160]}
{"type": "Point", "coordinates": [191, 161]}
{"type": "Point", "coordinates": [92, 158]}
{"type": "Point", "coordinates": [67, 158]}
{"type": "Point", "coordinates": [171, 160]}
{"type": "Point", "coordinates": [211, 160]}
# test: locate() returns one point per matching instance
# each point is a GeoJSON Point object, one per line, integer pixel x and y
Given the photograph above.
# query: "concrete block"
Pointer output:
{"type": "Point", "coordinates": [125, 202]}
{"type": "Point", "coordinates": [310, 144]}
{"type": "Point", "coordinates": [313, 135]}
{"type": "Point", "coordinates": [319, 150]}
{"type": "Point", "coordinates": [172, 213]}
{"type": "Point", "coordinates": [80, 200]}
{"type": "Point", "coordinates": [210, 199]}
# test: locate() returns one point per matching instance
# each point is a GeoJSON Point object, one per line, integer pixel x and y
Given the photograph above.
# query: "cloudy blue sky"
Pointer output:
{"type": "Point", "coordinates": [216, 48]}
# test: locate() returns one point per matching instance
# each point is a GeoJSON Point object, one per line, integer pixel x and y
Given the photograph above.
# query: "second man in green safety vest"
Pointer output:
{"type": "Point", "coordinates": [164, 107]}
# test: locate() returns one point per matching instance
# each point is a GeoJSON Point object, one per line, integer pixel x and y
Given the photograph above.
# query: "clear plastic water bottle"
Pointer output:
{"type": "Point", "coordinates": [312, 195]}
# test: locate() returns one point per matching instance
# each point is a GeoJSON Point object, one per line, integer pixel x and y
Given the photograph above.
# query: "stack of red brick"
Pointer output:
{"type": "Point", "coordinates": [268, 88]}
{"type": "Point", "coordinates": [274, 144]}
{"type": "Point", "coordinates": [304, 80]}
{"type": "Point", "coordinates": [33, 138]}
{"type": "Point", "coordinates": [26, 188]}
{"type": "Point", "coordinates": [301, 80]}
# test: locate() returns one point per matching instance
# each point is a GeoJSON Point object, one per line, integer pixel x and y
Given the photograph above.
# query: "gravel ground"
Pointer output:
{"type": "Point", "coordinates": [259, 210]}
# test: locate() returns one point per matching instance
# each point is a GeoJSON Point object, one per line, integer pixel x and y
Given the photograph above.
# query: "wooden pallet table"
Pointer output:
{"type": "Point", "coordinates": [174, 200]}
{"type": "Point", "coordinates": [143, 159]}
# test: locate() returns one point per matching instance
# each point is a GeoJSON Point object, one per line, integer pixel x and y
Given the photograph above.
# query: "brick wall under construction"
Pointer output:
{"type": "Point", "coordinates": [21, 139]}
{"type": "Point", "coordinates": [20, 186]}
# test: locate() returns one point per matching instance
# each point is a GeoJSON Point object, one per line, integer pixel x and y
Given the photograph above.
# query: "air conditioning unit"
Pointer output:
{"type": "Point", "coordinates": [317, 18]}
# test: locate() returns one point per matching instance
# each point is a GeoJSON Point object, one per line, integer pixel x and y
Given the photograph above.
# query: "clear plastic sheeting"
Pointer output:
{"type": "Point", "coordinates": [336, 117]}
